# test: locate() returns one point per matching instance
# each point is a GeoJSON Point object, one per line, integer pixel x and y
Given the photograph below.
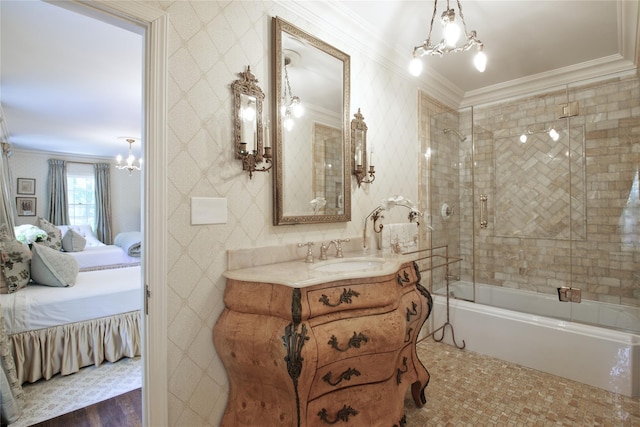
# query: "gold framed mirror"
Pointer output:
{"type": "Point", "coordinates": [312, 154]}
{"type": "Point", "coordinates": [248, 124]}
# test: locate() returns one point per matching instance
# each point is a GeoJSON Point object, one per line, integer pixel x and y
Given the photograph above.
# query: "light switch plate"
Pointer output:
{"type": "Point", "coordinates": [208, 210]}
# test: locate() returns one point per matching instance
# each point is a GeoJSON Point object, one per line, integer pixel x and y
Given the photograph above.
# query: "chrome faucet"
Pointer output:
{"type": "Point", "coordinates": [323, 251]}
{"type": "Point", "coordinates": [338, 243]}
{"type": "Point", "coordinates": [324, 248]}
{"type": "Point", "coordinates": [309, 257]}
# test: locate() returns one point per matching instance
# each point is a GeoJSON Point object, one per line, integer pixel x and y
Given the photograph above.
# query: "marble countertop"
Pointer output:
{"type": "Point", "coordinates": [300, 274]}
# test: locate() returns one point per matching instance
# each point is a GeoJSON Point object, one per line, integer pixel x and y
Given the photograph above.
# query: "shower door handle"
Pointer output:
{"type": "Point", "coordinates": [483, 211]}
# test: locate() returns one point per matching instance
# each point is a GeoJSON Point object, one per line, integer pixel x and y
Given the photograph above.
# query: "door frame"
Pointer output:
{"type": "Point", "coordinates": [152, 23]}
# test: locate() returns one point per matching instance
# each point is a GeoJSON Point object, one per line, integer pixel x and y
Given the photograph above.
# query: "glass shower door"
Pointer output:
{"type": "Point", "coordinates": [449, 163]}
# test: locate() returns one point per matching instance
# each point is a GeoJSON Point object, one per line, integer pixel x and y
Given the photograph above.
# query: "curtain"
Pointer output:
{"type": "Point", "coordinates": [11, 394]}
{"type": "Point", "coordinates": [7, 204]}
{"type": "Point", "coordinates": [58, 213]}
{"type": "Point", "coordinates": [103, 202]}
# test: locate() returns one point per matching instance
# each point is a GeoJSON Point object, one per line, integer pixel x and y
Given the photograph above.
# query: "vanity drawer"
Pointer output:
{"type": "Point", "coordinates": [345, 298]}
{"type": "Point", "coordinates": [369, 405]}
{"type": "Point", "coordinates": [359, 336]}
{"type": "Point", "coordinates": [354, 371]}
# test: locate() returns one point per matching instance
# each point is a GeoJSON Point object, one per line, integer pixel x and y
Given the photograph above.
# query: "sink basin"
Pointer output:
{"type": "Point", "coordinates": [350, 264]}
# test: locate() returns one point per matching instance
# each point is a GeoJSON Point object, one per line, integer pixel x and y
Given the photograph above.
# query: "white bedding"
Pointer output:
{"type": "Point", "coordinates": [96, 294]}
{"type": "Point", "coordinates": [95, 257]}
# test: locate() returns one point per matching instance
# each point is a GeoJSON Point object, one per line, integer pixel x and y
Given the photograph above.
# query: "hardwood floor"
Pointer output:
{"type": "Point", "coordinates": [119, 411]}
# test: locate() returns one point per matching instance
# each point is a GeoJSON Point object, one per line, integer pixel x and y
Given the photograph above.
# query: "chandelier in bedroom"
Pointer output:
{"type": "Point", "coordinates": [131, 159]}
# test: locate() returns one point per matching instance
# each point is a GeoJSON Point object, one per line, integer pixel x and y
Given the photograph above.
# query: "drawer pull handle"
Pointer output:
{"type": "Point", "coordinates": [410, 312]}
{"type": "Point", "coordinates": [342, 415]}
{"type": "Point", "coordinates": [346, 376]}
{"type": "Point", "coordinates": [406, 279]}
{"type": "Point", "coordinates": [408, 337]}
{"type": "Point", "coordinates": [355, 341]}
{"type": "Point", "coordinates": [344, 298]}
{"type": "Point", "coordinates": [401, 372]}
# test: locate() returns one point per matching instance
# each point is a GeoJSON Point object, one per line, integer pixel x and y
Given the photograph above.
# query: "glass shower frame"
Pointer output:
{"type": "Point", "coordinates": [541, 233]}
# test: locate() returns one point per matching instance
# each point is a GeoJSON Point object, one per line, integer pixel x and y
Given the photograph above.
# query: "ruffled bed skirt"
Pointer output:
{"type": "Point", "coordinates": [67, 348]}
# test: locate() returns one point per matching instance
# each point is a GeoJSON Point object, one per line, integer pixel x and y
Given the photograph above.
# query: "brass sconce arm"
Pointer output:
{"type": "Point", "coordinates": [361, 175]}
{"type": "Point", "coordinates": [250, 160]}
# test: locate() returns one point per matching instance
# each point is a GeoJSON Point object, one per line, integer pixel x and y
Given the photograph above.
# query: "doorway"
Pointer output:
{"type": "Point", "coordinates": [152, 24]}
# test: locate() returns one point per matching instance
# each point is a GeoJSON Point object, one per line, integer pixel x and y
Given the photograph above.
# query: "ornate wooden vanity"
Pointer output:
{"type": "Point", "coordinates": [317, 353]}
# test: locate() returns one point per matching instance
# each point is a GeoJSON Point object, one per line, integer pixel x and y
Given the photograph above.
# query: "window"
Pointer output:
{"type": "Point", "coordinates": [81, 194]}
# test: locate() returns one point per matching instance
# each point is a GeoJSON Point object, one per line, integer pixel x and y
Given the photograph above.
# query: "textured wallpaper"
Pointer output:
{"type": "Point", "coordinates": [209, 43]}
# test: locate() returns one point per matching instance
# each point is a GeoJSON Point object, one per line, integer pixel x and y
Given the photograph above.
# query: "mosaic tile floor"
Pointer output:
{"type": "Point", "coordinates": [470, 389]}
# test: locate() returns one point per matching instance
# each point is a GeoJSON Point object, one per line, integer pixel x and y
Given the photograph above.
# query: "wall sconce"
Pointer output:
{"type": "Point", "coordinates": [251, 158]}
{"type": "Point", "coordinates": [359, 151]}
{"type": "Point", "coordinates": [248, 128]}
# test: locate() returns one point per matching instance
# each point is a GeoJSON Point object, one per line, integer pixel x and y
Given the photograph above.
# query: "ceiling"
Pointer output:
{"type": "Point", "coordinates": [70, 83]}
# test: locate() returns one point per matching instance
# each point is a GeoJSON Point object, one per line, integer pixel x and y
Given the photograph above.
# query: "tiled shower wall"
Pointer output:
{"type": "Point", "coordinates": [563, 213]}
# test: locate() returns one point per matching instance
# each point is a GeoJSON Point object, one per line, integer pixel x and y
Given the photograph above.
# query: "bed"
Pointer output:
{"type": "Point", "coordinates": [103, 257]}
{"type": "Point", "coordinates": [89, 316]}
{"type": "Point", "coordinates": [95, 255]}
{"type": "Point", "coordinates": [60, 330]}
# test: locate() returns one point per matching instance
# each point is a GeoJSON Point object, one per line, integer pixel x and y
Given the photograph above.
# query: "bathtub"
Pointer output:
{"type": "Point", "coordinates": [594, 355]}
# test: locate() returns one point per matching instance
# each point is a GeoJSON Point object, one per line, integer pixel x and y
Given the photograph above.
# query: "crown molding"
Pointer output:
{"type": "Point", "coordinates": [358, 36]}
{"type": "Point", "coordinates": [607, 67]}
{"type": "Point", "coordinates": [629, 36]}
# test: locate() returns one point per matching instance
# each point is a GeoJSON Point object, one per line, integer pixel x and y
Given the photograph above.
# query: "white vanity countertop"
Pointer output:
{"type": "Point", "coordinates": [300, 274]}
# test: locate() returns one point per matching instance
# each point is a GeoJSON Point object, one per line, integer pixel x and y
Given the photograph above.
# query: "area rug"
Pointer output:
{"type": "Point", "coordinates": [44, 400]}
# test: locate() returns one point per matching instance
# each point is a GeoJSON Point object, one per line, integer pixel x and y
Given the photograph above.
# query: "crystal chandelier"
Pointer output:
{"type": "Point", "coordinates": [291, 105]}
{"type": "Point", "coordinates": [130, 160]}
{"type": "Point", "coordinates": [448, 44]}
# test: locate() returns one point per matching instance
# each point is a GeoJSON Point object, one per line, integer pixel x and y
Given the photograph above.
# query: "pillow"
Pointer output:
{"type": "Point", "coordinates": [50, 267]}
{"type": "Point", "coordinates": [15, 260]}
{"type": "Point", "coordinates": [85, 231]}
{"type": "Point", "coordinates": [73, 241]}
{"type": "Point", "coordinates": [54, 239]}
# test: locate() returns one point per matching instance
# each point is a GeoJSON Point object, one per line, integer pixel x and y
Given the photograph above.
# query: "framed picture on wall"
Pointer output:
{"type": "Point", "coordinates": [26, 206]}
{"type": "Point", "coordinates": [26, 186]}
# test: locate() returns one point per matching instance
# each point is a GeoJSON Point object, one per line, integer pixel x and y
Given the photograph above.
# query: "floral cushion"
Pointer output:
{"type": "Point", "coordinates": [54, 239]}
{"type": "Point", "coordinates": [15, 262]}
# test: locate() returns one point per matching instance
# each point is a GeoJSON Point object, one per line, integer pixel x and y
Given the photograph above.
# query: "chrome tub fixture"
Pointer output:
{"type": "Point", "coordinates": [385, 205]}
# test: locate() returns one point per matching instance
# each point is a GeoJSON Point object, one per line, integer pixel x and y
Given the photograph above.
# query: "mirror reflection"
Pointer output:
{"type": "Point", "coordinates": [312, 162]}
